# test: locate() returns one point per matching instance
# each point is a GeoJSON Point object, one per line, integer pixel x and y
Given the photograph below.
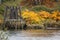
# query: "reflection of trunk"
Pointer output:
{"type": "Point", "coordinates": [41, 2]}
{"type": "Point", "coordinates": [36, 2]}
{"type": "Point", "coordinates": [48, 3]}
{"type": "Point", "coordinates": [13, 13]}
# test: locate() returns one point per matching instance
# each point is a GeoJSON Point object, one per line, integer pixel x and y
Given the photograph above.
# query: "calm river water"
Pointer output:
{"type": "Point", "coordinates": [34, 35]}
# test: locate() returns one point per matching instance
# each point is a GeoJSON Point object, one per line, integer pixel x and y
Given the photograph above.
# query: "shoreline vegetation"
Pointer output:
{"type": "Point", "coordinates": [39, 15]}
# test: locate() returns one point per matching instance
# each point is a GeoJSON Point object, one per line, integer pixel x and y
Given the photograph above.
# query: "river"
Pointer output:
{"type": "Point", "coordinates": [34, 35]}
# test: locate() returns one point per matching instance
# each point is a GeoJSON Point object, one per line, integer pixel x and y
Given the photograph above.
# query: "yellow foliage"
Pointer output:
{"type": "Point", "coordinates": [58, 18]}
{"type": "Point", "coordinates": [1, 21]}
{"type": "Point", "coordinates": [55, 15]}
{"type": "Point", "coordinates": [33, 17]}
{"type": "Point", "coordinates": [44, 14]}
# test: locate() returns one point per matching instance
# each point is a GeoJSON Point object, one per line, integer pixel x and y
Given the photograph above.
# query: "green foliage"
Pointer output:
{"type": "Point", "coordinates": [39, 8]}
{"type": "Point", "coordinates": [1, 9]}
{"type": "Point", "coordinates": [8, 3]}
{"type": "Point", "coordinates": [1, 16]}
{"type": "Point", "coordinates": [57, 8]}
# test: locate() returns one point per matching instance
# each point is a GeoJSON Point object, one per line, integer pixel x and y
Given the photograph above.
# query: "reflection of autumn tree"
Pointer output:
{"type": "Point", "coordinates": [29, 2]}
{"type": "Point", "coordinates": [48, 3]}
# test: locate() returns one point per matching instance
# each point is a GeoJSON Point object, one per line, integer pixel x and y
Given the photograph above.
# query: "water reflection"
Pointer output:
{"type": "Point", "coordinates": [35, 35]}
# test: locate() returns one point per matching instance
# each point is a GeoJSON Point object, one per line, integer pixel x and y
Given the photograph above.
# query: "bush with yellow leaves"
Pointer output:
{"type": "Point", "coordinates": [31, 17]}
{"type": "Point", "coordinates": [44, 14]}
{"type": "Point", "coordinates": [55, 15]}
{"type": "Point", "coordinates": [39, 17]}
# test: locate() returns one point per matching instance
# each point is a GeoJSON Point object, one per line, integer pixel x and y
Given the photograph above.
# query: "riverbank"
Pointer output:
{"type": "Point", "coordinates": [35, 33]}
{"type": "Point", "coordinates": [30, 34]}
